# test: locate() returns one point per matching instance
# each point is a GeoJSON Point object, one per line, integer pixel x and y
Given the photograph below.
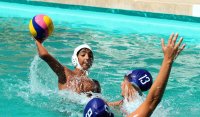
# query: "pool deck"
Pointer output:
{"type": "Point", "coordinates": [177, 7]}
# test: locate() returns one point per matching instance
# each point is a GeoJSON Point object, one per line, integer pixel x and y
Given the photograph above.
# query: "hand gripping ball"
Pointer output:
{"type": "Point", "coordinates": [41, 26]}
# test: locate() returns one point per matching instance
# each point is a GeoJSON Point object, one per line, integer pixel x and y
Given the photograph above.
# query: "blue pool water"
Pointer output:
{"type": "Point", "coordinates": [120, 43]}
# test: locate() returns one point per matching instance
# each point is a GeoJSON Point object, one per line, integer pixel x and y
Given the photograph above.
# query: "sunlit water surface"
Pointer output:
{"type": "Point", "coordinates": [120, 43]}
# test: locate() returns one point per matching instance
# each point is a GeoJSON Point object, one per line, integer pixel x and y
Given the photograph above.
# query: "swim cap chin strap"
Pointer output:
{"type": "Point", "coordinates": [75, 61]}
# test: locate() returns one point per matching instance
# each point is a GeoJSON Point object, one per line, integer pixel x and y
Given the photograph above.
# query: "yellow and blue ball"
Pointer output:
{"type": "Point", "coordinates": [41, 26]}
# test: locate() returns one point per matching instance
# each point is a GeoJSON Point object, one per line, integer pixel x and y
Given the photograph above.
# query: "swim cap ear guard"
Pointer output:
{"type": "Point", "coordinates": [75, 61]}
{"type": "Point", "coordinates": [140, 78]}
{"type": "Point", "coordinates": [96, 107]}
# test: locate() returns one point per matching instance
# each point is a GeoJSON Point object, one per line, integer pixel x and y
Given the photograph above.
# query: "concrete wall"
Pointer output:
{"type": "Point", "coordinates": [179, 7]}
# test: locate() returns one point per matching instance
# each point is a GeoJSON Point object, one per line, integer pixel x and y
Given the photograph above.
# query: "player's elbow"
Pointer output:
{"type": "Point", "coordinates": [157, 97]}
{"type": "Point", "coordinates": [155, 102]}
{"type": "Point", "coordinates": [97, 87]}
{"type": "Point", "coordinates": [43, 55]}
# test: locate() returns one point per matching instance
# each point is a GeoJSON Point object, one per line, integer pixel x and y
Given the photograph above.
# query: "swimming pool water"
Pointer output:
{"type": "Point", "coordinates": [120, 43]}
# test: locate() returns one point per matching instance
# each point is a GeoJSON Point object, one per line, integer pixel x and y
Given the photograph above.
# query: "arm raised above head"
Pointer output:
{"type": "Point", "coordinates": [171, 51]}
{"type": "Point", "coordinates": [52, 62]}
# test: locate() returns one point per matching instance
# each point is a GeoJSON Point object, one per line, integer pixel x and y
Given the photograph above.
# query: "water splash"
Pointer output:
{"type": "Point", "coordinates": [130, 106]}
{"type": "Point", "coordinates": [38, 76]}
{"type": "Point", "coordinates": [42, 94]}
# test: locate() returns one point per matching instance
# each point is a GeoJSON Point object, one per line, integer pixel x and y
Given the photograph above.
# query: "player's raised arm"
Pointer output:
{"type": "Point", "coordinates": [171, 51]}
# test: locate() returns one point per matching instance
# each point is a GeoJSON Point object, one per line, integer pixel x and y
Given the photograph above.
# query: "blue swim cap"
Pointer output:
{"type": "Point", "coordinates": [140, 78]}
{"type": "Point", "coordinates": [96, 107]}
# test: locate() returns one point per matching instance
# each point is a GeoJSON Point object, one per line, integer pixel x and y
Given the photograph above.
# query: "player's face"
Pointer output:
{"type": "Point", "coordinates": [85, 58]}
{"type": "Point", "coordinates": [128, 90]}
{"type": "Point", "coordinates": [123, 86]}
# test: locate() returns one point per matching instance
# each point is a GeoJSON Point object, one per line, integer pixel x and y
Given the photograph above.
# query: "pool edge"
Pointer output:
{"type": "Point", "coordinates": [109, 10]}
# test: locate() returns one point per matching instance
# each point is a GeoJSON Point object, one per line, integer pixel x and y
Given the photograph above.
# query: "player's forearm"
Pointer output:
{"type": "Point", "coordinates": [158, 88]}
{"type": "Point", "coordinates": [117, 103]}
{"type": "Point", "coordinates": [41, 50]}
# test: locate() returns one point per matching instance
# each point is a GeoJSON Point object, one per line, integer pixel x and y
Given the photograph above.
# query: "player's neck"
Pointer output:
{"type": "Point", "coordinates": [80, 72]}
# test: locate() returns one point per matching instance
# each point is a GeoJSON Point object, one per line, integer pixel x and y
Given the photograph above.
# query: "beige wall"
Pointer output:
{"type": "Point", "coordinates": [190, 7]}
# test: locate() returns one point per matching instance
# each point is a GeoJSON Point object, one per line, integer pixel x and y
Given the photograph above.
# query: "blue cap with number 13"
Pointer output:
{"type": "Point", "coordinates": [140, 78]}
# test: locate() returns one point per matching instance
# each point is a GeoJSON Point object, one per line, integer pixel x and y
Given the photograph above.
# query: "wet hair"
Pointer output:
{"type": "Point", "coordinates": [125, 78]}
{"type": "Point", "coordinates": [97, 88]}
{"type": "Point", "coordinates": [135, 87]}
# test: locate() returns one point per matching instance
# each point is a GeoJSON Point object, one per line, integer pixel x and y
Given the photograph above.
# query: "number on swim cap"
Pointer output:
{"type": "Point", "coordinates": [145, 79]}
{"type": "Point", "coordinates": [89, 113]}
{"type": "Point", "coordinates": [140, 78]}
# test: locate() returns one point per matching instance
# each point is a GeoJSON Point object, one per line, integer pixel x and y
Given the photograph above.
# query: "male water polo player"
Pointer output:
{"type": "Point", "coordinates": [97, 107]}
{"type": "Point", "coordinates": [171, 51]}
{"type": "Point", "coordinates": [76, 80]}
{"type": "Point", "coordinates": [135, 82]}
